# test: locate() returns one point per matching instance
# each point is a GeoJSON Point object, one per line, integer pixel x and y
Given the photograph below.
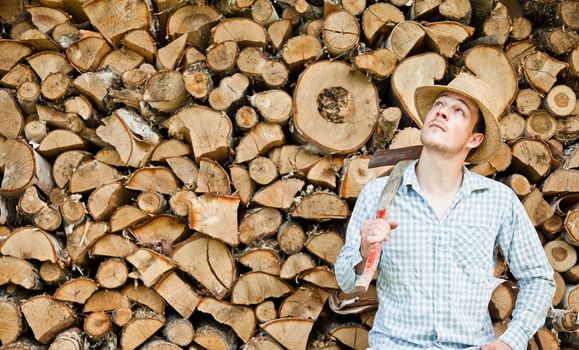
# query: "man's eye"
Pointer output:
{"type": "Point", "coordinates": [461, 111]}
{"type": "Point", "coordinates": [438, 103]}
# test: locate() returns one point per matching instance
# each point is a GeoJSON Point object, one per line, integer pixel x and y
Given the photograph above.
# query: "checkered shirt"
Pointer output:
{"type": "Point", "coordinates": [436, 277]}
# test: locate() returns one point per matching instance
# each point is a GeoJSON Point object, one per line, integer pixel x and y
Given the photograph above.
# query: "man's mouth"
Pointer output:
{"type": "Point", "coordinates": [437, 126]}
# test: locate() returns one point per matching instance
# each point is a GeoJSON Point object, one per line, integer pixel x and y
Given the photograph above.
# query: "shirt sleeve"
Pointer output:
{"type": "Point", "coordinates": [527, 261]}
{"type": "Point", "coordinates": [350, 255]}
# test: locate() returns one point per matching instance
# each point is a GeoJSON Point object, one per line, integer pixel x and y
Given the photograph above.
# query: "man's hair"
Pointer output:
{"type": "Point", "coordinates": [479, 126]}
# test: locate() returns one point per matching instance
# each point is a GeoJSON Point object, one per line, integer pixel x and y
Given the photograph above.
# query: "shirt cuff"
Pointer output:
{"type": "Point", "coordinates": [515, 337]}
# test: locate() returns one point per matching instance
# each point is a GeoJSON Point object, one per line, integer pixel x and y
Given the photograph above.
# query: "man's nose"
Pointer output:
{"type": "Point", "coordinates": [443, 113]}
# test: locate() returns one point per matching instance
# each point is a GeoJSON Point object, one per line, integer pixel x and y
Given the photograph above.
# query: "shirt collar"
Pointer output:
{"type": "Point", "coordinates": [471, 181]}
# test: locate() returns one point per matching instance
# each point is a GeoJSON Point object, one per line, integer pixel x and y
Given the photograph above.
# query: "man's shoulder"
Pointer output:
{"type": "Point", "coordinates": [494, 186]}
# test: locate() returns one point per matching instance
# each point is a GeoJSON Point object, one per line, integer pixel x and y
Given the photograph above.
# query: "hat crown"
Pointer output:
{"type": "Point", "coordinates": [478, 89]}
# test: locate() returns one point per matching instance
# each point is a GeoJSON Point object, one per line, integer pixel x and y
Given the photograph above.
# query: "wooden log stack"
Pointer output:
{"type": "Point", "coordinates": [178, 174]}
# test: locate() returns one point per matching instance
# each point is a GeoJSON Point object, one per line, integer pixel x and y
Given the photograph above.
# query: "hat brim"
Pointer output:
{"type": "Point", "coordinates": [424, 98]}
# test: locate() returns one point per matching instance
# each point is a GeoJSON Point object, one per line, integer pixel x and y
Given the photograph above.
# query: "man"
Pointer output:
{"type": "Point", "coordinates": [435, 276]}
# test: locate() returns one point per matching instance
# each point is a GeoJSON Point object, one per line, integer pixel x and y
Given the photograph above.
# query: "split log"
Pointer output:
{"type": "Point", "coordinates": [321, 276]}
{"type": "Point", "coordinates": [261, 259]}
{"type": "Point", "coordinates": [405, 79]}
{"type": "Point", "coordinates": [531, 158]}
{"type": "Point", "coordinates": [560, 288]}
{"type": "Point", "coordinates": [259, 140]}
{"type": "Point", "coordinates": [300, 50]}
{"type": "Point", "coordinates": [354, 336]}
{"type": "Point", "coordinates": [326, 245]}
{"type": "Point", "coordinates": [503, 300]}
{"type": "Point", "coordinates": [76, 290]}
{"type": "Point", "coordinates": [242, 30]}
{"type": "Point", "coordinates": [159, 179]}
{"type": "Point", "coordinates": [527, 101]}
{"type": "Point", "coordinates": [106, 300]}
{"type": "Point", "coordinates": [32, 243]}
{"type": "Point", "coordinates": [91, 174]}
{"type": "Point", "coordinates": [177, 293]}
{"type": "Point", "coordinates": [258, 224]}
{"type": "Point", "coordinates": [275, 106]}
{"type": "Point", "coordinates": [255, 287]}
{"type": "Point", "coordinates": [139, 329]}
{"type": "Point", "coordinates": [216, 216]}
{"type": "Point", "coordinates": [571, 231]}
{"type": "Point", "coordinates": [23, 167]}
{"type": "Point", "coordinates": [229, 92]}
{"type": "Point", "coordinates": [212, 335]}
{"type": "Point", "coordinates": [145, 296]}
{"type": "Point", "coordinates": [150, 265]}
{"type": "Point", "coordinates": [71, 338]}
{"type": "Point", "coordinates": [19, 272]}
{"type": "Point", "coordinates": [195, 21]}
{"type": "Point", "coordinates": [561, 181]}
{"type": "Point", "coordinates": [126, 216]}
{"type": "Point", "coordinates": [379, 19]}
{"type": "Point", "coordinates": [279, 194]}
{"type": "Point", "coordinates": [82, 238]}
{"type": "Point", "coordinates": [161, 228]}
{"type": "Point", "coordinates": [265, 311]}
{"type": "Point", "coordinates": [262, 341]}
{"type": "Point", "coordinates": [541, 70]}
{"type": "Point", "coordinates": [306, 302]}
{"type": "Point", "coordinates": [194, 123]}
{"type": "Point", "coordinates": [47, 317]}
{"type": "Point", "coordinates": [296, 264]}
{"type": "Point", "coordinates": [207, 260]}
{"type": "Point", "coordinates": [406, 39]}
{"type": "Point", "coordinates": [255, 64]}
{"type": "Point", "coordinates": [212, 178]}
{"type": "Point", "coordinates": [320, 206]}
{"type": "Point", "coordinates": [185, 169]}
{"type": "Point", "coordinates": [171, 148]}
{"type": "Point", "coordinates": [536, 207]}
{"type": "Point", "coordinates": [279, 32]}
{"type": "Point", "coordinates": [283, 329]}
{"type": "Point", "coordinates": [240, 318]}
{"type": "Point", "coordinates": [11, 324]}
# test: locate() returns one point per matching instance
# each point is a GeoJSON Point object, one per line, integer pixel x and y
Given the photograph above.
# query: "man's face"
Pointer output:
{"type": "Point", "coordinates": [448, 126]}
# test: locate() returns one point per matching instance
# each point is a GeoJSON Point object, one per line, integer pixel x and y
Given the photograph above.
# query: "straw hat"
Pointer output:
{"type": "Point", "coordinates": [480, 93]}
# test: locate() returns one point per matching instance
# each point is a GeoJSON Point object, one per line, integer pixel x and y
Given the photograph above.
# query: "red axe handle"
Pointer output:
{"type": "Point", "coordinates": [371, 266]}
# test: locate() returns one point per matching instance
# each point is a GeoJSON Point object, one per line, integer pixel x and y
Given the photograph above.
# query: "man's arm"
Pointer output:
{"type": "Point", "coordinates": [350, 260]}
{"type": "Point", "coordinates": [528, 263]}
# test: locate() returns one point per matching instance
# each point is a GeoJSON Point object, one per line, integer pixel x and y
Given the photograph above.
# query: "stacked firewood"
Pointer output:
{"type": "Point", "coordinates": [178, 174]}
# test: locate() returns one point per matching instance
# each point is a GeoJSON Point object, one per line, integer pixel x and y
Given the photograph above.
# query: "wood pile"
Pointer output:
{"type": "Point", "coordinates": [177, 174]}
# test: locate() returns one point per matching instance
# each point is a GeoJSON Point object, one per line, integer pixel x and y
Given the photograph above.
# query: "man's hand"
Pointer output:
{"type": "Point", "coordinates": [375, 230]}
{"type": "Point", "coordinates": [497, 345]}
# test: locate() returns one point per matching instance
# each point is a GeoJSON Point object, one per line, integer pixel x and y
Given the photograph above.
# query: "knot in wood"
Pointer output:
{"type": "Point", "coordinates": [335, 103]}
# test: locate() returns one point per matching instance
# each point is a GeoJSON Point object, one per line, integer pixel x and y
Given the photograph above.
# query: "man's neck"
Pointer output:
{"type": "Point", "coordinates": [438, 174]}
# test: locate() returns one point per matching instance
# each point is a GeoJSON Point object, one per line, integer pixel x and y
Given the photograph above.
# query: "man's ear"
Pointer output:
{"type": "Point", "coordinates": [475, 140]}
